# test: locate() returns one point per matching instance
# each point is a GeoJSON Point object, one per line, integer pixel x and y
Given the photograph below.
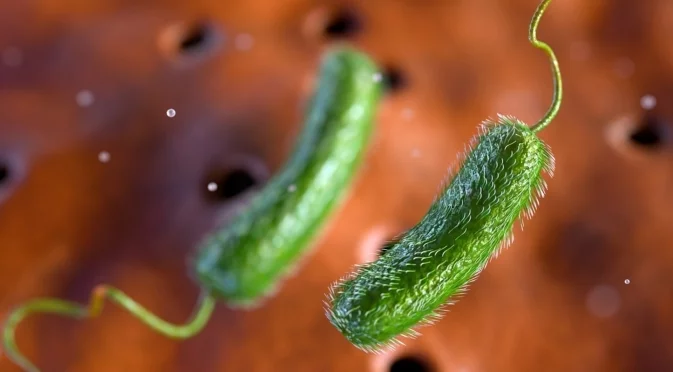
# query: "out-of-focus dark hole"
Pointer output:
{"type": "Point", "coordinates": [410, 364]}
{"type": "Point", "coordinates": [343, 24]}
{"type": "Point", "coordinates": [651, 133]}
{"type": "Point", "coordinates": [394, 79]}
{"type": "Point", "coordinates": [196, 38]}
{"type": "Point", "coordinates": [4, 174]}
{"type": "Point", "coordinates": [231, 184]}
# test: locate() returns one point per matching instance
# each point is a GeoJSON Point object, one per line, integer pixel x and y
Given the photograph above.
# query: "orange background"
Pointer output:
{"type": "Point", "coordinates": [85, 81]}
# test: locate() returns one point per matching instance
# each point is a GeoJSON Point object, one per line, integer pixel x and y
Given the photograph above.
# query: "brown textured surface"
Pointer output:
{"type": "Point", "coordinates": [69, 221]}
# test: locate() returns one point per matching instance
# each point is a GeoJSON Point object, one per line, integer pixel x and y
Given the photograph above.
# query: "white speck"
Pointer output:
{"type": "Point", "coordinates": [624, 67]}
{"type": "Point", "coordinates": [378, 77]}
{"type": "Point", "coordinates": [292, 188]}
{"type": "Point", "coordinates": [408, 113]}
{"type": "Point", "coordinates": [416, 153]}
{"type": "Point", "coordinates": [627, 281]}
{"type": "Point", "coordinates": [12, 56]}
{"type": "Point", "coordinates": [648, 102]}
{"type": "Point", "coordinates": [84, 98]}
{"type": "Point", "coordinates": [212, 187]}
{"type": "Point", "coordinates": [170, 113]}
{"type": "Point", "coordinates": [603, 301]}
{"type": "Point", "coordinates": [244, 41]}
{"type": "Point", "coordinates": [104, 156]}
{"type": "Point", "coordinates": [580, 50]}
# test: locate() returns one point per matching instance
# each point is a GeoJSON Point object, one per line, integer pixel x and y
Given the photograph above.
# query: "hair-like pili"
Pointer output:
{"type": "Point", "coordinates": [499, 181]}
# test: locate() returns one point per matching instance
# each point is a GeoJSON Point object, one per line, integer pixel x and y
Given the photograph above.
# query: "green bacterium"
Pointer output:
{"type": "Point", "coordinates": [470, 221]}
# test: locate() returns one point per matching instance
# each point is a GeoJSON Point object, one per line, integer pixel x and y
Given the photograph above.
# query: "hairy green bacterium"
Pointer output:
{"type": "Point", "coordinates": [500, 181]}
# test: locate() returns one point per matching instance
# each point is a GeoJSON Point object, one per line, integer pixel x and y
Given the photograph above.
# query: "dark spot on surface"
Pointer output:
{"type": "Point", "coordinates": [460, 82]}
{"type": "Point", "coordinates": [409, 364]}
{"type": "Point", "coordinates": [343, 24]}
{"type": "Point", "coordinates": [643, 346]}
{"type": "Point", "coordinates": [650, 133]}
{"type": "Point", "coordinates": [196, 38]}
{"type": "Point", "coordinates": [13, 170]}
{"type": "Point", "coordinates": [394, 79]}
{"type": "Point", "coordinates": [231, 184]}
{"type": "Point", "coordinates": [4, 174]}
{"type": "Point", "coordinates": [190, 40]}
{"type": "Point", "coordinates": [623, 20]}
{"type": "Point", "coordinates": [579, 255]}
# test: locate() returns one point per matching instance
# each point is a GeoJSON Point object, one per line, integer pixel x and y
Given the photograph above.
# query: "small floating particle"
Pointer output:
{"type": "Point", "coordinates": [603, 301]}
{"type": "Point", "coordinates": [12, 56]}
{"type": "Point", "coordinates": [648, 102]}
{"type": "Point", "coordinates": [104, 156]}
{"type": "Point", "coordinates": [244, 41]}
{"type": "Point", "coordinates": [84, 98]}
{"type": "Point", "coordinates": [170, 113]}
